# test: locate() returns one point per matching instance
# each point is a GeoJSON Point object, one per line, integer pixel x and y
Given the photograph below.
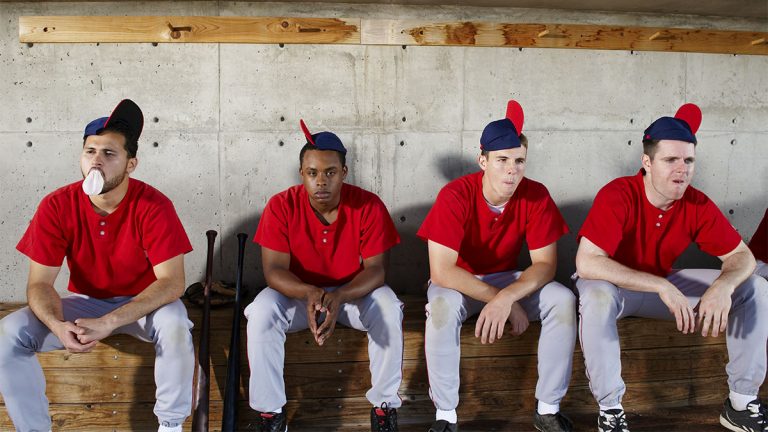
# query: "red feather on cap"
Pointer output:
{"type": "Point", "coordinates": [691, 114]}
{"type": "Point", "coordinates": [515, 115]}
{"type": "Point", "coordinates": [306, 132]}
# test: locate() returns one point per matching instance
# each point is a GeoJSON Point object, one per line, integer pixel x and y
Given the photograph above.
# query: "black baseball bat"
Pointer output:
{"type": "Point", "coordinates": [200, 399]}
{"type": "Point", "coordinates": [232, 390]}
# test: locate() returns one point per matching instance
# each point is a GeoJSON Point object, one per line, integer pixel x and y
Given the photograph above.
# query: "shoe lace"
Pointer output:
{"type": "Point", "coordinates": [385, 418]}
{"type": "Point", "coordinates": [616, 422]}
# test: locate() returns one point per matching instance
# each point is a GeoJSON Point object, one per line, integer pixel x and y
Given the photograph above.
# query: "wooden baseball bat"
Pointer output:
{"type": "Point", "coordinates": [200, 399]}
{"type": "Point", "coordinates": [232, 390]}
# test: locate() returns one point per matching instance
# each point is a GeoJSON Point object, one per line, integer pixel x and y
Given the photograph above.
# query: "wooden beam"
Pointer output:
{"type": "Point", "coordinates": [270, 30]}
{"type": "Point", "coordinates": [188, 29]}
{"type": "Point", "coordinates": [577, 36]}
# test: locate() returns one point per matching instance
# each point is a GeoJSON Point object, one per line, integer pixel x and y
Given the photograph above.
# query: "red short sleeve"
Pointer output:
{"type": "Point", "coordinates": [163, 234]}
{"type": "Point", "coordinates": [378, 232]}
{"type": "Point", "coordinates": [605, 221]}
{"type": "Point", "coordinates": [44, 242]}
{"type": "Point", "coordinates": [444, 223]}
{"type": "Point", "coordinates": [545, 225]}
{"type": "Point", "coordinates": [714, 234]}
{"type": "Point", "coordinates": [272, 232]}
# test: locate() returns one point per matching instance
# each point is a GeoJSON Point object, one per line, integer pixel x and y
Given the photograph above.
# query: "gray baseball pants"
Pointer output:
{"type": "Point", "coordinates": [554, 305]}
{"type": "Point", "coordinates": [272, 315]}
{"type": "Point", "coordinates": [22, 382]}
{"type": "Point", "coordinates": [601, 303]}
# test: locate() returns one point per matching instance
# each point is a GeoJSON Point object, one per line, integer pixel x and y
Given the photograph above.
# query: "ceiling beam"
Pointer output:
{"type": "Point", "coordinates": [272, 30]}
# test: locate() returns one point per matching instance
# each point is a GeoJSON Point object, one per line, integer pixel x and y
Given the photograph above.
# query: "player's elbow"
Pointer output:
{"type": "Point", "coordinates": [439, 275]}
{"type": "Point", "coordinates": [175, 287]}
{"type": "Point", "coordinates": [585, 265]}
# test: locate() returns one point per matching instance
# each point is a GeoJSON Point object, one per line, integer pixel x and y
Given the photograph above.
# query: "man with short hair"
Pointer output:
{"type": "Point", "coordinates": [325, 247]}
{"type": "Point", "coordinates": [125, 247]}
{"type": "Point", "coordinates": [474, 234]}
{"type": "Point", "coordinates": [759, 246]}
{"type": "Point", "coordinates": [636, 229]}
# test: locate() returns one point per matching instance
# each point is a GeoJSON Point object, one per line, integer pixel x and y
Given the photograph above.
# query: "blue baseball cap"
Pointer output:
{"type": "Point", "coordinates": [323, 140]}
{"type": "Point", "coordinates": [126, 113]}
{"type": "Point", "coordinates": [505, 133]}
{"type": "Point", "coordinates": [681, 127]}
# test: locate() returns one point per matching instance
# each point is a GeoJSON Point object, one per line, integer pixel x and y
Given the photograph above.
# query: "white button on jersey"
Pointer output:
{"type": "Point", "coordinates": [102, 223]}
{"type": "Point", "coordinates": [101, 232]}
{"type": "Point", "coordinates": [658, 224]}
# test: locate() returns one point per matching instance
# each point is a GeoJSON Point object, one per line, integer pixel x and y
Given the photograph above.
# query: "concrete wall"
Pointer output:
{"type": "Point", "coordinates": [221, 131]}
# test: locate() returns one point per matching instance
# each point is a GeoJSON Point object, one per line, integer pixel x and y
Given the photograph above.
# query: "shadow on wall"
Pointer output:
{"type": "Point", "coordinates": [253, 277]}
{"type": "Point", "coordinates": [408, 263]}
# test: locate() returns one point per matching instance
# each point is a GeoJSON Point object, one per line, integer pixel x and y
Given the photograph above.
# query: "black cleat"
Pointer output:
{"type": "Point", "coordinates": [443, 426]}
{"type": "Point", "coordinates": [383, 419]}
{"type": "Point", "coordinates": [612, 420]}
{"type": "Point", "coordinates": [271, 422]}
{"type": "Point", "coordinates": [752, 419]}
{"type": "Point", "coordinates": [552, 422]}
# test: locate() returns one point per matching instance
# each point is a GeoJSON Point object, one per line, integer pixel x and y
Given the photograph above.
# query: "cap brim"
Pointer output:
{"type": "Point", "coordinates": [690, 114]}
{"type": "Point", "coordinates": [307, 135]}
{"type": "Point", "coordinates": [128, 113]}
{"type": "Point", "coordinates": [515, 115]}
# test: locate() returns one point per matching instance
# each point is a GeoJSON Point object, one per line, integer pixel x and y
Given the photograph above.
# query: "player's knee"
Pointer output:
{"type": "Point", "coordinates": [755, 288]}
{"type": "Point", "coordinates": [388, 305]}
{"type": "Point", "coordinates": [171, 315]}
{"type": "Point", "coordinates": [172, 327]}
{"type": "Point", "coordinates": [263, 315]}
{"type": "Point", "coordinates": [561, 303]}
{"type": "Point", "coordinates": [20, 331]}
{"type": "Point", "coordinates": [597, 299]}
{"type": "Point", "coordinates": [444, 311]}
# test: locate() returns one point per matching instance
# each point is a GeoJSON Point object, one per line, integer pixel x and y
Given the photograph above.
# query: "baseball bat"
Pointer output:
{"type": "Point", "coordinates": [200, 399]}
{"type": "Point", "coordinates": [232, 389]}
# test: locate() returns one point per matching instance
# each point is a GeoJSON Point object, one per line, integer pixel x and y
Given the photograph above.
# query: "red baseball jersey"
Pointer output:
{"type": "Point", "coordinates": [327, 255]}
{"type": "Point", "coordinates": [624, 224]}
{"type": "Point", "coordinates": [488, 242]}
{"type": "Point", "coordinates": [107, 256]}
{"type": "Point", "coordinates": [759, 242]}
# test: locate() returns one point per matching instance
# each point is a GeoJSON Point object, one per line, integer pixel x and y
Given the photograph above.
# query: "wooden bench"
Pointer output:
{"type": "Point", "coordinates": [112, 388]}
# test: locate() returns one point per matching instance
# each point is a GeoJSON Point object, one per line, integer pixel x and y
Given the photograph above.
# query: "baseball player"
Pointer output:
{"type": "Point", "coordinates": [324, 246]}
{"type": "Point", "coordinates": [636, 229]}
{"type": "Point", "coordinates": [759, 247]}
{"type": "Point", "coordinates": [125, 249]}
{"type": "Point", "coordinates": [474, 233]}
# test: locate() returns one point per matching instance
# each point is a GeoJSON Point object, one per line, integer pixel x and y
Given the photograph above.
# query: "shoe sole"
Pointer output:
{"type": "Point", "coordinates": [730, 426]}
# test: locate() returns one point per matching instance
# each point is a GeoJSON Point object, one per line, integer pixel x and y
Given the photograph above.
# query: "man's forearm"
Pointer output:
{"type": "Point", "coordinates": [607, 269]}
{"type": "Point", "coordinates": [530, 280]}
{"type": "Point", "coordinates": [363, 283]}
{"type": "Point", "coordinates": [735, 270]}
{"type": "Point", "coordinates": [456, 278]}
{"type": "Point", "coordinates": [45, 303]}
{"type": "Point", "coordinates": [288, 284]}
{"type": "Point", "coordinates": [157, 294]}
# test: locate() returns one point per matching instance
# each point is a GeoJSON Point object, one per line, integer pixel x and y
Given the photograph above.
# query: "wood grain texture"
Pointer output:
{"type": "Point", "coordinates": [188, 29]}
{"type": "Point", "coordinates": [271, 30]}
{"type": "Point", "coordinates": [575, 36]}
